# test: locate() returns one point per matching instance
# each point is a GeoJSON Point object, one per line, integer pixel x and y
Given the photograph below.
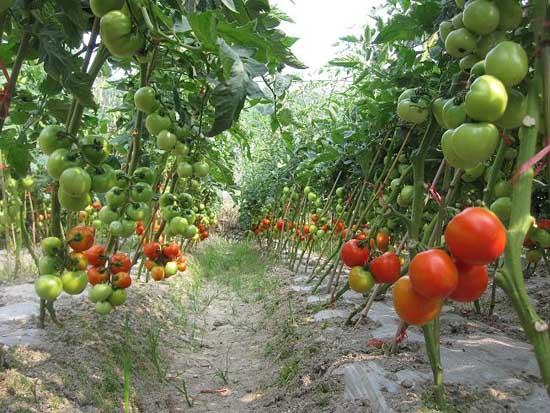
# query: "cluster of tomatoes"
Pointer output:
{"type": "Point", "coordinates": [474, 238]}
{"type": "Point", "coordinates": [163, 261]}
{"type": "Point", "coordinates": [384, 268]}
{"type": "Point", "coordinates": [61, 270]}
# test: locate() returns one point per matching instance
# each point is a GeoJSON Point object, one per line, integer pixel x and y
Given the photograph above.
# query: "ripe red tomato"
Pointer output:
{"type": "Point", "coordinates": [97, 275]}
{"type": "Point", "coordinates": [120, 262]}
{"type": "Point", "coordinates": [80, 238]}
{"type": "Point", "coordinates": [306, 229]}
{"type": "Point", "coordinates": [386, 268]}
{"type": "Point", "coordinates": [280, 224]}
{"type": "Point", "coordinates": [122, 280]}
{"type": "Point", "coordinates": [354, 253]}
{"type": "Point", "coordinates": [476, 236]}
{"type": "Point", "coordinates": [171, 251]}
{"type": "Point", "coordinates": [433, 274]}
{"type": "Point", "coordinates": [157, 272]}
{"type": "Point", "coordinates": [152, 250]}
{"type": "Point", "coordinates": [472, 282]}
{"type": "Point", "coordinates": [411, 306]}
{"type": "Point", "coordinates": [96, 255]}
{"type": "Point", "coordinates": [382, 241]}
{"type": "Point", "coordinates": [96, 205]}
{"type": "Point", "coordinates": [204, 235]}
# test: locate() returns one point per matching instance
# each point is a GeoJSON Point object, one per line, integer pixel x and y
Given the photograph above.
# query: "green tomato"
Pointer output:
{"type": "Point", "coordinates": [51, 265]}
{"type": "Point", "coordinates": [167, 199]}
{"type": "Point", "coordinates": [52, 246]}
{"type": "Point", "coordinates": [116, 229]}
{"type": "Point", "coordinates": [311, 197]}
{"type": "Point", "coordinates": [460, 3]}
{"type": "Point", "coordinates": [191, 231]}
{"type": "Point", "coordinates": [115, 26]}
{"type": "Point", "coordinates": [116, 197]}
{"type": "Point", "coordinates": [73, 203]}
{"type": "Point", "coordinates": [508, 62]}
{"type": "Point", "coordinates": [27, 183]}
{"type": "Point", "coordinates": [478, 69]}
{"type": "Point", "coordinates": [170, 268]}
{"type": "Point", "coordinates": [502, 208]}
{"type": "Point", "coordinates": [59, 160]}
{"type": "Point", "coordinates": [445, 27]}
{"type": "Point", "coordinates": [95, 149]}
{"type": "Point", "coordinates": [117, 297]}
{"type": "Point", "coordinates": [178, 225]}
{"type": "Point", "coordinates": [340, 192]}
{"type": "Point", "coordinates": [453, 115]}
{"type": "Point", "coordinates": [122, 180]}
{"type": "Point", "coordinates": [75, 181]}
{"type": "Point", "coordinates": [141, 192]}
{"type": "Point", "coordinates": [156, 123]}
{"type": "Point", "coordinates": [460, 42]}
{"type": "Point", "coordinates": [181, 149]}
{"type": "Point", "coordinates": [186, 200]}
{"type": "Point", "coordinates": [48, 287]}
{"type": "Point", "coordinates": [467, 62]}
{"type": "Point", "coordinates": [169, 212]}
{"type": "Point", "coordinates": [437, 110]}
{"type": "Point", "coordinates": [457, 22]}
{"type": "Point", "coordinates": [185, 169]}
{"type": "Point", "coordinates": [394, 184]}
{"type": "Point", "coordinates": [100, 292]}
{"type": "Point", "coordinates": [97, 224]}
{"type": "Point", "coordinates": [481, 16]}
{"type": "Point", "coordinates": [144, 174]}
{"type": "Point", "coordinates": [486, 43]}
{"type": "Point", "coordinates": [510, 14]}
{"type": "Point", "coordinates": [74, 282]}
{"type": "Point", "coordinates": [103, 179]}
{"type": "Point", "coordinates": [503, 189]}
{"type": "Point", "coordinates": [53, 137]}
{"type": "Point", "coordinates": [540, 236]}
{"type": "Point", "coordinates": [108, 215]}
{"type": "Point", "coordinates": [447, 146]}
{"type": "Point", "coordinates": [487, 99]}
{"type": "Point", "coordinates": [201, 168]}
{"type": "Point", "coordinates": [515, 112]}
{"type": "Point", "coordinates": [128, 228]}
{"type": "Point", "coordinates": [406, 94]}
{"type": "Point", "coordinates": [413, 110]}
{"type": "Point", "coordinates": [166, 140]}
{"type": "Point", "coordinates": [475, 142]}
{"type": "Point", "coordinates": [102, 7]}
{"type": "Point", "coordinates": [136, 211]}
{"type": "Point", "coordinates": [471, 174]}
{"type": "Point", "coordinates": [103, 307]}
{"type": "Point", "coordinates": [145, 99]}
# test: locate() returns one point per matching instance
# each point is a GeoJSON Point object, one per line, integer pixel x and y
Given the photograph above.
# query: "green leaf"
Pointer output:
{"type": "Point", "coordinates": [285, 116]}
{"type": "Point", "coordinates": [230, 5]}
{"type": "Point", "coordinates": [204, 27]}
{"type": "Point", "coordinates": [229, 95]}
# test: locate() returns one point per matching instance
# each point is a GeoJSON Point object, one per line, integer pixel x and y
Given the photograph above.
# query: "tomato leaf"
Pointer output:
{"type": "Point", "coordinates": [204, 28]}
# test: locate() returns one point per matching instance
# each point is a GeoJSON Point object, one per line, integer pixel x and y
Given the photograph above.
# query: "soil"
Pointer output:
{"type": "Point", "coordinates": [198, 338]}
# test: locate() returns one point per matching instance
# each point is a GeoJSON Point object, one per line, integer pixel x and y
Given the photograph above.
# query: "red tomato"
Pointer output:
{"type": "Point", "coordinates": [96, 255]}
{"type": "Point", "coordinates": [96, 205]}
{"type": "Point", "coordinates": [182, 266]}
{"type": "Point", "coordinates": [204, 235]}
{"type": "Point", "coordinates": [412, 307]}
{"type": "Point", "coordinates": [157, 272]}
{"type": "Point", "coordinates": [120, 262]}
{"type": "Point", "coordinates": [476, 236]}
{"type": "Point", "coordinates": [382, 241]}
{"type": "Point", "coordinates": [97, 275]}
{"type": "Point", "coordinates": [122, 280]}
{"type": "Point", "coordinates": [433, 274]}
{"type": "Point", "coordinates": [80, 238]}
{"type": "Point", "coordinates": [354, 253]}
{"type": "Point", "coordinates": [386, 268]}
{"type": "Point", "coordinates": [152, 250]}
{"type": "Point", "coordinates": [472, 282]}
{"type": "Point", "coordinates": [171, 251]}
{"type": "Point", "coordinates": [306, 229]}
{"type": "Point", "coordinates": [280, 224]}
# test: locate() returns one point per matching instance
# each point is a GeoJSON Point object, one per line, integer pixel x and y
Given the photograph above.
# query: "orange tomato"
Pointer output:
{"type": "Point", "coordinates": [411, 306]}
